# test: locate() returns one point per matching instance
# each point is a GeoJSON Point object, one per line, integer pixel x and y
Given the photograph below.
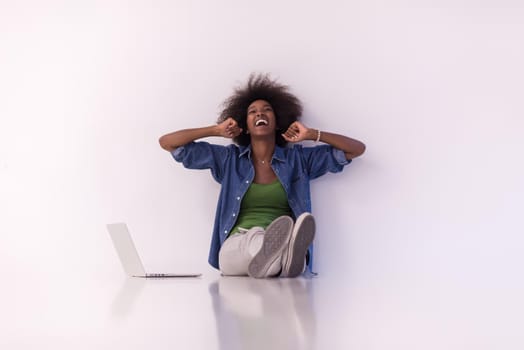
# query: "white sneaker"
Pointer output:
{"type": "Point", "coordinates": [294, 257]}
{"type": "Point", "coordinates": [275, 241]}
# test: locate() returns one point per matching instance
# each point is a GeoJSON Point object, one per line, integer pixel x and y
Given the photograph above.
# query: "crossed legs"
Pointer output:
{"type": "Point", "coordinates": [278, 250]}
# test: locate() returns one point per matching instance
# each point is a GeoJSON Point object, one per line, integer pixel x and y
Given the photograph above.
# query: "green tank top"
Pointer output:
{"type": "Point", "coordinates": [262, 204]}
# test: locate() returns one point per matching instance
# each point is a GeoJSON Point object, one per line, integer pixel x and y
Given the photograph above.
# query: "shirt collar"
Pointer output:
{"type": "Point", "coordinates": [278, 154]}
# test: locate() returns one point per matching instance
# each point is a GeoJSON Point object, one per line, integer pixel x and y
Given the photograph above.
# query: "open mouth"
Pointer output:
{"type": "Point", "coordinates": [261, 122]}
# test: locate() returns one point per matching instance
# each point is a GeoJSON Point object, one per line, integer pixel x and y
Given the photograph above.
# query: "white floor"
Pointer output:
{"type": "Point", "coordinates": [214, 312]}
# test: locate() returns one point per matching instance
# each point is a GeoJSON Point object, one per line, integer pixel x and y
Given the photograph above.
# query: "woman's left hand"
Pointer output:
{"type": "Point", "coordinates": [297, 132]}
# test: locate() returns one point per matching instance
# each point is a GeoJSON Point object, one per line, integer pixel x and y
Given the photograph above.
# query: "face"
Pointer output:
{"type": "Point", "coordinates": [261, 119]}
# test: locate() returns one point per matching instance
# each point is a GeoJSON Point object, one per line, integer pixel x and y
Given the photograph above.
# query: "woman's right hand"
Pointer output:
{"type": "Point", "coordinates": [229, 128]}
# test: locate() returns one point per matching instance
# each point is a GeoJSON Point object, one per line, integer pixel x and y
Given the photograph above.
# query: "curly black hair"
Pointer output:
{"type": "Point", "coordinates": [286, 106]}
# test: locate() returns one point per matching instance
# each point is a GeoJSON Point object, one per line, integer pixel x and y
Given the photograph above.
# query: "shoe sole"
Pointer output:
{"type": "Point", "coordinates": [302, 236]}
{"type": "Point", "coordinates": [275, 240]}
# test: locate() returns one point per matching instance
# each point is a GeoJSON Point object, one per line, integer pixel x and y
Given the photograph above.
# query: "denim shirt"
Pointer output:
{"type": "Point", "coordinates": [231, 166]}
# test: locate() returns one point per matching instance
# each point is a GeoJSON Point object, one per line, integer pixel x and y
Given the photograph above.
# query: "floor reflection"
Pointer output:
{"type": "Point", "coordinates": [264, 313]}
{"type": "Point", "coordinates": [126, 296]}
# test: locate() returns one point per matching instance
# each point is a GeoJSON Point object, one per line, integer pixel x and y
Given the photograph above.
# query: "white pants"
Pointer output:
{"type": "Point", "coordinates": [239, 249]}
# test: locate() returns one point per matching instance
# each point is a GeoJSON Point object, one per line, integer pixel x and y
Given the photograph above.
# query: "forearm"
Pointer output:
{"type": "Point", "coordinates": [171, 141]}
{"type": "Point", "coordinates": [351, 147]}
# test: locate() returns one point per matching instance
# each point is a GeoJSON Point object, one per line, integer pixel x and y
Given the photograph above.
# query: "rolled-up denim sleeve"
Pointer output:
{"type": "Point", "coordinates": [322, 159]}
{"type": "Point", "coordinates": [203, 155]}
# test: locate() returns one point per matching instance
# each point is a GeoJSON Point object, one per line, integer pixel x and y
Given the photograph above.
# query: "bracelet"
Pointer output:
{"type": "Point", "coordinates": [318, 136]}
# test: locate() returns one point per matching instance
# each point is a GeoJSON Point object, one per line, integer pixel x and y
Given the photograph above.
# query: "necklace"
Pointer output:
{"type": "Point", "coordinates": [262, 161]}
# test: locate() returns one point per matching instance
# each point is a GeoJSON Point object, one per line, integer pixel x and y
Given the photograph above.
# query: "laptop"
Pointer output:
{"type": "Point", "coordinates": [129, 256]}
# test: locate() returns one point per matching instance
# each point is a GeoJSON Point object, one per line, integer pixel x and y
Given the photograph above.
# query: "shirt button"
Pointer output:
{"type": "Point", "coordinates": [234, 214]}
{"type": "Point", "coordinates": [238, 198]}
{"type": "Point", "coordinates": [225, 231]}
{"type": "Point", "coordinates": [247, 181]}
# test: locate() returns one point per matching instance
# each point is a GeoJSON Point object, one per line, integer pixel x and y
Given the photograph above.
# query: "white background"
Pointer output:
{"type": "Point", "coordinates": [433, 88]}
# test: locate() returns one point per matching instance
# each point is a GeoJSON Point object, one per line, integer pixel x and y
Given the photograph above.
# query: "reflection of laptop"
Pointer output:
{"type": "Point", "coordinates": [129, 256]}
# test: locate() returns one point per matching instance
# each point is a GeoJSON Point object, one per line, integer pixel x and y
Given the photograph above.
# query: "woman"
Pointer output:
{"type": "Point", "coordinates": [262, 227]}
